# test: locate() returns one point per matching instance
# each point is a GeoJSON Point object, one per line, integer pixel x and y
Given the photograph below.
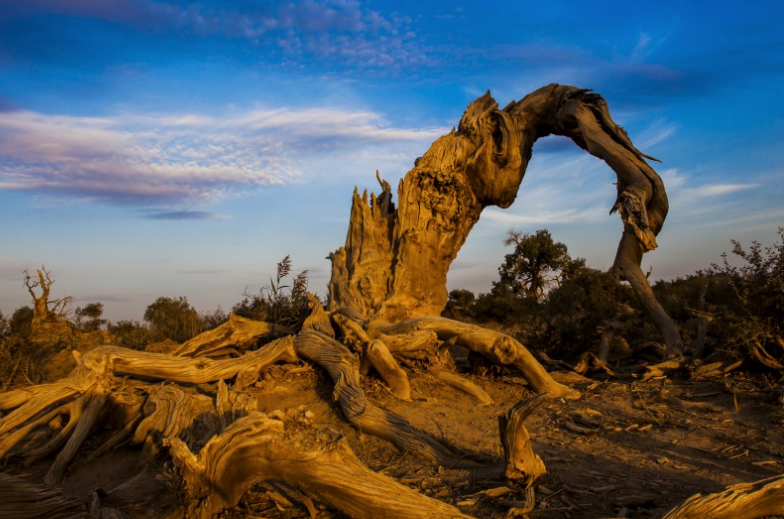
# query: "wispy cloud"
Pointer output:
{"type": "Point", "coordinates": [545, 218]}
{"type": "Point", "coordinates": [186, 215]}
{"type": "Point", "coordinates": [178, 159]}
{"type": "Point", "coordinates": [346, 31]}
{"type": "Point", "coordinates": [719, 189]}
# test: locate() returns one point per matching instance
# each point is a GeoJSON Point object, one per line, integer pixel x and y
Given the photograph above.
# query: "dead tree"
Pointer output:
{"type": "Point", "coordinates": [44, 309]}
{"type": "Point", "coordinates": [394, 264]}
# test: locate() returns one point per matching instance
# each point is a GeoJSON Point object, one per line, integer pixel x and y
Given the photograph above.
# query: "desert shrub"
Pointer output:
{"type": "Point", "coordinates": [278, 303]}
{"type": "Point", "coordinates": [535, 264]}
{"type": "Point", "coordinates": [459, 303]}
{"type": "Point", "coordinates": [173, 318]}
{"type": "Point", "coordinates": [131, 334]}
{"type": "Point", "coordinates": [575, 313]}
{"type": "Point", "coordinates": [504, 306]}
{"type": "Point", "coordinates": [753, 304]}
{"type": "Point", "coordinates": [88, 318]}
{"type": "Point", "coordinates": [20, 357]}
{"type": "Point", "coordinates": [5, 328]}
{"type": "Point", "coordinates": [21, 322]}
{"type": "Point", "coordinates": [210, 320]}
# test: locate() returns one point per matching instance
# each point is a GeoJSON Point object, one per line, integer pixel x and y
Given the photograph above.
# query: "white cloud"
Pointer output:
{"type": "Point", "coordinates": [180, 158]}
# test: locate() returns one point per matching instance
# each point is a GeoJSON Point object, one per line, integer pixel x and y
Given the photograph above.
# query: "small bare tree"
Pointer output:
{"type": "Point", "coordinates": [45, 309]}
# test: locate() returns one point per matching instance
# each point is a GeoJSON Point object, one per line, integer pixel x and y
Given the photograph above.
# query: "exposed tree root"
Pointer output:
{"type": "Point", "coordinates": [379, 356]}
{"type": "Point", "coordinates": [344, 371]}
{"type": "Point", "coordinates": [462, 384]}
{"type": "Point", "coordinates": [496, 346]}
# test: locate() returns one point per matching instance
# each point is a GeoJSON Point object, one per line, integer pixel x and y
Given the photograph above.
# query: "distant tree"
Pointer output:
{"type": "Point", "coordinates": [536, 263]}
{"type": "Point", "coordinates": [173, 318]}
{"type": "Point", "coordinates": [88, 318]}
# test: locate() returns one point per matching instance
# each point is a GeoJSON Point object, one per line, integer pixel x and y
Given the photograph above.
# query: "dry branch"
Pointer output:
{"type": "Point", "coordinates": [523, 466]}
{"type": "Point", "coordinates": [462, 384]}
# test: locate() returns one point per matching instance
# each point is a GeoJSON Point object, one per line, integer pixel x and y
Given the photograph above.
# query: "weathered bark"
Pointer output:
{"type": "Point", "coordinates": [184, 369]}
{"type": "Point", "coordinates": [89, 416]}
{"type": "Point", "coordinates": [523, 466]}
{"type": "Point", "coordinates": [386, 365]}
{"type": "Point", "coordinates": [259, 447]}
{"type": "Point", "coordinates": [376, 354]}
{"type": "Point", "coordinates": [20, 499]}
{"type": "Point", "coordinates": [30, 409]}
{"type": "Point", "coordinates": [758, 500]}
{"type": "Point", "coordinates": [395, 261]}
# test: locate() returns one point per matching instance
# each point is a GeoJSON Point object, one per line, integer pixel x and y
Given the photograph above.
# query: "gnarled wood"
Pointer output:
{"type": "Point", "coordinates": [259, 447]}
{"type": "Point", "coordinates": [758, 500]}
{"type": "Point", "coordinates": [184, 369]}
{"type": "Point", "coordinates": [20, 499]}
{"type": "Point", "coordinates": [462, 384]}
{"type": "Point", "coordinates": [523, 466]}
{"type": "Point", "coordinates": [92, 411]}
{"type": "Point", "coordinates": [386, 365]}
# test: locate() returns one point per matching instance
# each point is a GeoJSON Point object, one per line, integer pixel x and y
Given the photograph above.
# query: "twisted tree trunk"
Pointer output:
{"type": "Point", "coordinates": [394, 264]}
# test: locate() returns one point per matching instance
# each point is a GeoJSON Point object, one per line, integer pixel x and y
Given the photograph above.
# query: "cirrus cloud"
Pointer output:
{"type": "Point", "coordinates": [182, 158]}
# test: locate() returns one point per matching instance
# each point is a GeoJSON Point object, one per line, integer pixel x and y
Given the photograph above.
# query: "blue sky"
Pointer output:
{"type": "Point", "coordinates": [172, 148]}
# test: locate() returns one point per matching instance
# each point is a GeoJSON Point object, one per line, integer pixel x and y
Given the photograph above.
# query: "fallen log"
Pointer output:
{"type": "Point", "coordinates": [238, 333]}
